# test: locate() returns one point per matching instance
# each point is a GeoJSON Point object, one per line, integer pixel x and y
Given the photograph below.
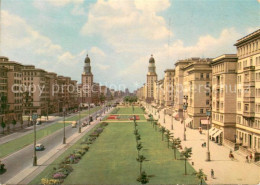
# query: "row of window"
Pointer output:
{"type": "Point", "coordinates": [249, 48]}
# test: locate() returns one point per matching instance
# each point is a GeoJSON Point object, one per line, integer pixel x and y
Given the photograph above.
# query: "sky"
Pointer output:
{"type": "Point", "coordinates": [120, 35]}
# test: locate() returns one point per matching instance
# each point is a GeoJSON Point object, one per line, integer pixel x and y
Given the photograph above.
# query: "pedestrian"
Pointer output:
{"type": "Point", "coordinates": [247, 159]}
{"type": "Point", "coordinates": [251, 157]}
{"type": "Point", "coordinates": [212, 173]}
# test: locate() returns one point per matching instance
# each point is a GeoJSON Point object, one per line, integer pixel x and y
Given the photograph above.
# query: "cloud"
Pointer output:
{"type": "Point", "coordinates": [60, 3]}
{"type": "Point", "coordinates": [127, 24]}
{"type": "Point", "coordinates": [29, 46]}
{"type": "Point", "coordinates": [165, 56]}
{"type": "Point", "coordinates": [103, 67]}
{"type": "Point", "coordinates": [96, 51]}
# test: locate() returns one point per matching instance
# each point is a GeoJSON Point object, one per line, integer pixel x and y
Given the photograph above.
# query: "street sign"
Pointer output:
{"type": "Point", "coordinates": [34, 116]}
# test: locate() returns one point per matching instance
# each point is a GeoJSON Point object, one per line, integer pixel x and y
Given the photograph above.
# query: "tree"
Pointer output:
{"type": "Point", "coordinates": [186, 154]}
{"type": "Point", "coordinates": [139, 147]}
{"type": "Point", "coordinates": [140, 159]}
{"type": "Point", "coordinates": [200, 175]}
{"type": "Point", "coordinates": [143, 178]}
{"type": "Point", "coordinates": [3, 125]}
{"type": "Point", "coordinates": [102, 98]}
{"type": "Point", "coordinates": [176, 143]}
{"type": "Point", "coordinates": [14, 123]}
{"type": "Point", "coordinates": [136, 132]}
{"type": "Point", "coordinates": [169, 136]}
{"type": "Point", "coordinates": [162, 130]}
{"type": "Point", "coordinates": [138, 138]}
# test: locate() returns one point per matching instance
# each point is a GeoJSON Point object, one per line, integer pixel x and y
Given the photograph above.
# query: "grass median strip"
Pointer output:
{"type": "Point", "coordinates": [19, 143]}
{"type": "Point", "coordinates": [49, 169]}
{"type": "Point", "coordinates": [112, 159]}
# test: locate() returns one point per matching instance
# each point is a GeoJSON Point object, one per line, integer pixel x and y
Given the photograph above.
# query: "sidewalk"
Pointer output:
{"type": "Point", "coordinates": [29, 173]}
{"type": "Point", "coordinates": [226, 171]}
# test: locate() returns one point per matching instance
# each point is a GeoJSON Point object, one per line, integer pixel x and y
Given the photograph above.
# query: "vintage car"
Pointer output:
{"type": "Point", "coordinates": [39, 147]}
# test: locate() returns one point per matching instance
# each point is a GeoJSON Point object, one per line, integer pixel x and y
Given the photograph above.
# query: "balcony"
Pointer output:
{"type": "Point", "coordinates": [248, 99]}
{"type": "Point", "coordinates": [248, 114]}
{"type": "Point", "coordinates": [248, 83]}
{"type": "Point", "coordinates": [249, 68]}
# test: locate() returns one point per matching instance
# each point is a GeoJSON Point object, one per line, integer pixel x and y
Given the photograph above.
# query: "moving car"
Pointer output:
{"type": "Point", "coordinates": [39, 147]}
{"type": "Point", "coordinates": [74, 124]}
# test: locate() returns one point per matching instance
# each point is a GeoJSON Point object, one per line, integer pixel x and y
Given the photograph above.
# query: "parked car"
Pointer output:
{"type": "Point", "coordinates": [38, 123]}
{"type": "Point", "coordinates": [39, 147]}
{"type": "Point", "coordinates": [74, 124]}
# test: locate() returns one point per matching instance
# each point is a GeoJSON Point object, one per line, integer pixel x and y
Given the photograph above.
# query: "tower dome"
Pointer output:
{"type": "Point", "coordinates": [87, 59]}
{"type": "Point", "coordinates": [151, 60]}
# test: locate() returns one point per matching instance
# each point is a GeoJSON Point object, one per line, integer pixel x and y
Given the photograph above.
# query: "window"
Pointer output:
{"type": "Point", "coordinates": [201, 75]}
{"type": "Point", "coordinates": [207, 102]}
{"type": "Point", "coordinates": [239, 106]}
{"type": "Point", "coordinates": [207, 76]}
{"type": "Point", "coordinates": [207, 84]}
{"type": "Point", "coordinates": [201, 111]}
{"type": "Point", "coordinates": [207, 93]}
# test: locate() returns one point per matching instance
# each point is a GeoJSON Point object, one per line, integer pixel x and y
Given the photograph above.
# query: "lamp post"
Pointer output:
{"type": "Point", "coordinates": [34, 118]}
{"type": "Point", "coordinates": [89, 113]}
{"type": "Point", "coordinates": [64, 138]}
{"type": "Point", "coordinates": [79, 120]}
{"type": "Point", "coordinates": [208, 112]}
{"type": "Point", "coordinates": [171, 122]}
{"type": "Point", "coordinates": [185, 105]}
{"type": "Point", "coordinates": [164, 115]}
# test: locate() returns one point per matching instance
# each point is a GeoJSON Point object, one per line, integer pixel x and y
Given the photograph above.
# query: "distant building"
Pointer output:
{"type": "Point", "coordinates": [151, 77]}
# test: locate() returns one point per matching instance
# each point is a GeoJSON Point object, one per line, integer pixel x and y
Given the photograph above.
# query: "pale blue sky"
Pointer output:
{"type": "Point", "coordinates": [120, 35]}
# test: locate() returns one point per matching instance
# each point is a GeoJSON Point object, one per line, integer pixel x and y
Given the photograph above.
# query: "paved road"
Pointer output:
{"type": "Point", "coordinates": [23, 158]}
{"type": "Point", "coordinates": [27, 130]}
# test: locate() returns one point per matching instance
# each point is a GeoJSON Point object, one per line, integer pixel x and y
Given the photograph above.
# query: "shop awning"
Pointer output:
{"type": "Point", "coordinates": [204, 121]}
{"type": "Point", "coordinates": [188, 120]}
{"type": "Point", "coordinates": [212, 130]}
{"type": "Point", "coordinates": [216, 134]}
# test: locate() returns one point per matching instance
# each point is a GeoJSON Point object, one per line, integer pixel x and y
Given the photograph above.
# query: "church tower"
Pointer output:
{"type": "Point", "coordinates": [151, 77]}
{"type": "Point", "coordinates": [87, 82]}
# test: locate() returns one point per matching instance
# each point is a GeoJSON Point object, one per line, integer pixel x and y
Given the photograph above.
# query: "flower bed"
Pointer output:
{"type": "Point", "coordinates": [59, 173]}
{"type": "Point", "coordinates": [123, 117]}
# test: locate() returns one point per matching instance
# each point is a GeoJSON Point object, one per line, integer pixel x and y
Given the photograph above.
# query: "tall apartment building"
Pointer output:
{"type": "Point", "coordinates": [3, 92]}
{"type": "Point", "coordinates": [178, 89]}
{"type": "Point", "coordinates": [169, 87]}
{"type": "Point", "coordinates": [52, 100]}
{"type": "Point", "coordinates": [14, 97]}
{"type": "Point", "coordinates": [151, 77]}
{"type": "Point", "coordinates": [36, 92]}
{"type": "Point", "coordinates": [87, 82]}
{"type": "Point", "coordinates": [224, 104]}
{"type": "Point", "coordinates": [197, 88]}
{"type": "Point", "coordinates": [248, 93]}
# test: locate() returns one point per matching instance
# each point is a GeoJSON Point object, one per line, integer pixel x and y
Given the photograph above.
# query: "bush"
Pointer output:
{"type": "Point", "coordinates": [94, 134]}
{"type": "Point", "coordinates": [99, 130]}
{"type": "Point", "coordinates": [103, 124]}
{"type": "Point", "coordinates": [45, 181]}
{"type": "Point", "coordinates": [77, 156]}
{"type": "Point", "coordinates": [85, 147]}
{"type": "Point", "coordinates": [59, 175]}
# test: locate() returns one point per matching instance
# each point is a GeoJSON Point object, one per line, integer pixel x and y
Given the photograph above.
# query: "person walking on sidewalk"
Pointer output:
{"type": "Point", "coordinates": [247, 159]}
{"type": "Point", "coordinates": [251, 157]}
{"type": "Point", "coordinates": [212, 173]}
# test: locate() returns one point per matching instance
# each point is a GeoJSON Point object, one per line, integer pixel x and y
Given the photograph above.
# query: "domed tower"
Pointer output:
{"type": "Point", "coordinates": [87, 67]}
{"type": "Point", "coordinates": [87, 82]}
{"type": "Point", "coordinates": [151, 79]}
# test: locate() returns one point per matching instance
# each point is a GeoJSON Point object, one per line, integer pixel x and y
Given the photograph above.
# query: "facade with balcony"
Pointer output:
{"type": "Point", "coordinates": [224, 98]}
{"type": "Point", "coordinates": [248, 97]}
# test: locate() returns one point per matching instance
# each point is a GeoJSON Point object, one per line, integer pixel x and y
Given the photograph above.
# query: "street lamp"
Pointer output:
{"type": "Point", "coordinates": [208, 113]}
{"type": "Point", "coordinates": [171, 122]}
{"type": "Point", "coordinates": [79, 120]}
{"type": "Point", "coordinates": [164, 116]}
{"type": "Point", "coordinates": [185, 105]}
{"type": "Point", "coordinates": [64, 138]}
{"type": "Point", "coordinates": [34, 118]}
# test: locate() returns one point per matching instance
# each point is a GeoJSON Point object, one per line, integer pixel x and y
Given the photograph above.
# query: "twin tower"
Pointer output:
{"type": "Point", "coordinates": [151, 78]}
